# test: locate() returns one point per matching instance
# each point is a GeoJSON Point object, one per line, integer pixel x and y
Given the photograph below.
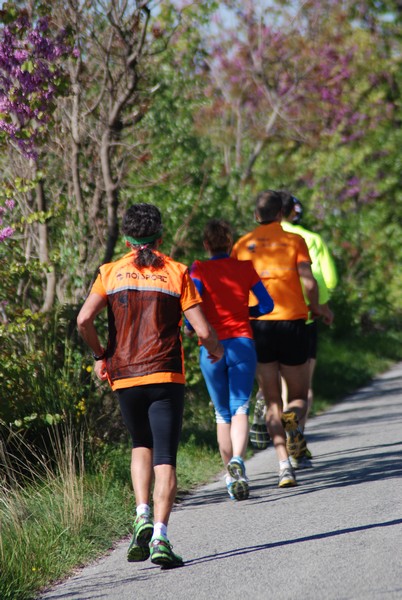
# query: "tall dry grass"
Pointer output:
{"type": "Point", "coordinates": [42, 508]}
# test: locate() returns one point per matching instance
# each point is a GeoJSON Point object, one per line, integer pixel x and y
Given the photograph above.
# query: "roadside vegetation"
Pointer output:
{"type": "Point", "coordinates": [64, 503]}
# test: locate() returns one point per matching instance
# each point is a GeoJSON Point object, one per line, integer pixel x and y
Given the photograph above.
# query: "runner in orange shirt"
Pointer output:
{"type": "Point", "coordinates": [282, 261]}
{"type": "Point", "coordinates": [145, 294]}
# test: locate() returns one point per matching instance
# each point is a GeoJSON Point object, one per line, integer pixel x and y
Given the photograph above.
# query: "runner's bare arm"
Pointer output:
{"type": "Point", "coordinates": [310, 286]}
{"type": "Point", "coordinates": [92, 306]}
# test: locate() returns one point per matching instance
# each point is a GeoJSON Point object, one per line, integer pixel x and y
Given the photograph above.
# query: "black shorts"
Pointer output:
{"type": "Point", "coordinates": [285, 342]}
{"type": "Point", "coordinates": [153, 414]}
{"type": "Point", "coordinates": [312, 332]}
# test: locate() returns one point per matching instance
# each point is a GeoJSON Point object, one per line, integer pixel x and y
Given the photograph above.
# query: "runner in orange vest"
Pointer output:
{"type": "Point", "coordinates": [145, 294]}
{"type": "Point", "coordinates": [283, 262]}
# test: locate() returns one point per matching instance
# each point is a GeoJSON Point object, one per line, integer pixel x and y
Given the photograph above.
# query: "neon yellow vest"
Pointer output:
{"type": "Point", "coordinates": [322, 263]}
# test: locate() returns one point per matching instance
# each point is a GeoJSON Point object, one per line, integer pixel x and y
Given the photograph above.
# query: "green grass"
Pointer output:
{"type": "Point", "coordinates": [53, 519]}
{"type": "Point", "coordinates": [69, 517]}
{"type": "Point", "coordinates": [64, 515]}
{"type": "Point", "coordinates": [343, 365]}
{"type": "Point", "coordinates": [40, 542]}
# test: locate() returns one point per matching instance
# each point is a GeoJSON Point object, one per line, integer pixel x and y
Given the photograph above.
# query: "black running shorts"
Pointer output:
{"type": "Point", "coordinates": [285, 342]}
{"type": "Point", "coordinates": [153, 415]}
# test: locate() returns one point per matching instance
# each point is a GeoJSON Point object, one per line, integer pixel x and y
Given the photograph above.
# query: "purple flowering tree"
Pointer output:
{"type": "Point", "coordinates": [31, 77]}
{"type": "Point", "coordinates": [70, 122]}
{"type": "Point", "coordinates": [278, 78]}
{"type": "Point", "coordinates": [285, 77]}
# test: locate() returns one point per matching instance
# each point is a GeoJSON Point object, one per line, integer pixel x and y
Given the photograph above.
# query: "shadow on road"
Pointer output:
{"type": "Point", "coordinates": [318, 536]}
{"type": "Point", "coordinates": [353, 466]}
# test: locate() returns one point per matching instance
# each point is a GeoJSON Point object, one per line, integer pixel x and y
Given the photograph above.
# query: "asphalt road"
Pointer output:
{"type": "Point", "coordinates": [336, 536]}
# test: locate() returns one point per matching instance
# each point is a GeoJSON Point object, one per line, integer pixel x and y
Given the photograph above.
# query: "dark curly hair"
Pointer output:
{"type": "Point", "coordinates": [218, 234]}
{"type": "Point", "coordinates": [143, 221]}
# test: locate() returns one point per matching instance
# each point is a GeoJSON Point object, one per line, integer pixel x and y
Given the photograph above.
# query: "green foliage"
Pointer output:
{"type": "Point", "coordinates": [43, 376]}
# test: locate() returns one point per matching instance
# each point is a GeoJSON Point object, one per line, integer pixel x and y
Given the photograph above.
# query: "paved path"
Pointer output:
{"type": "Point", "coordinates": [337, 536]}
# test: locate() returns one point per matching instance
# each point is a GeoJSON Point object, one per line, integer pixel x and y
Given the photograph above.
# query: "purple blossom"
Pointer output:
{"type": "Point", "coordinates": [43, 24]}
{"type": "Point", "coordinates": [5, 233]}
{"type": "Point", "coordinates": [8, 128]}
{"type": "Point", "coordinates": [9, 206]}
{"type": "Point", "coordinates": [21, 55]}
{"type": "Point", "coordinates": [30, 71]}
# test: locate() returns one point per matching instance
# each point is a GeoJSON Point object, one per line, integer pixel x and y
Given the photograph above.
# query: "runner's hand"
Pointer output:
{"type": "Point", "coordinates": [326, 314]}
{"type": "Point", "coordinates": [217, 353]}
{"type": "Point", "coordinates": [100, 369]}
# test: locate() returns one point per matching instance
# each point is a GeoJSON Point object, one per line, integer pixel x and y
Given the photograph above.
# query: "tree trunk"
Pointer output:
{"type": "Point", "coordinates": [112, 200]}
{"type": "Point", "coordinates": [50, 291]}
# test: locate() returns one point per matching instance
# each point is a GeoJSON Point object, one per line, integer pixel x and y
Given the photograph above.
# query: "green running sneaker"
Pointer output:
{"type": "Point", "coordinates": [259, 436]}
{"type": "Point", "coordinates": [240, 489]}
{"type": "Point", "coordinates": [138, 549]}
{"type": "Point", "coordinates": [260, 409]}
{"type": "Point", "coordinates": [236, 467]}
{"type": "Point", "coordinates": [162, 553]}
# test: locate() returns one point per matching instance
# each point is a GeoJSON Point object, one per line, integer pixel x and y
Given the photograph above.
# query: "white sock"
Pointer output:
{"type": "Point", "coordinates": [160, 529]}
{"type": "Point", "coordinates": [143, 510]}
{"type": "Point", "coordinates": [284, 464]}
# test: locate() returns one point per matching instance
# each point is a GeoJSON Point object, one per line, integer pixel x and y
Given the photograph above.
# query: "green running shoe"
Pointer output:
{"type": "Point", "coordinates": [240, 489]}
{"type": "Point", "coordinates": [236, 467]}
{"type": "Point", "coordinates": [260, 409]}
{"type": "Point", "coordinates": [138, 549]}
{"type": "Point", "coordinates": [259, 436]}
{"type": "Point", "coordinates": [162, 553]}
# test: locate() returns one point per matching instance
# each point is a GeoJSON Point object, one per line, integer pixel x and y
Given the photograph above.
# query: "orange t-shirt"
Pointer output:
{"type": "Point", "coordinates": [275, 255]}
{"type": "Point", "coordinates": [144, 314]}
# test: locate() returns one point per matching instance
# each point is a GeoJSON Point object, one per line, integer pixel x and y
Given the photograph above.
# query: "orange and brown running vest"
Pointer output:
{"type": "Point", "coordinates": [145, 313]}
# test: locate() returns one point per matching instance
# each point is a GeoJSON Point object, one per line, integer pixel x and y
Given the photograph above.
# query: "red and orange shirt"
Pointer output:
{"type": "Point", "coordinates": [275, 255]}
{"type": "Point", "coordinates": [145, 308]}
